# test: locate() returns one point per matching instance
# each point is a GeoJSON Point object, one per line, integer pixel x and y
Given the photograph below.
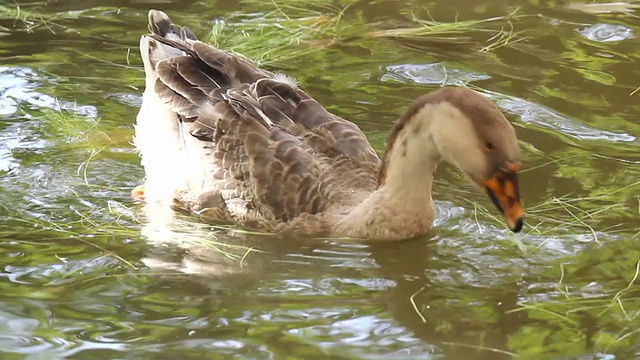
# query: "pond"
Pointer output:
{"type": "Point", "coordinates": [88, 274]}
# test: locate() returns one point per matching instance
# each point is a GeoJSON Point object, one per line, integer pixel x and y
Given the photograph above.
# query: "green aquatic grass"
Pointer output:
{"type": "Point", "coordinates": [29, 17]}
{"type": "Point", "coordinates": [594, 289]}
{"type": "Point", "coordinates": [595, 298]}
{"type": "Point", "coordinates": [569, 313]}
{"type": "Point", "coordinates": [284, 32]}
{"type": "Point", "coordinates": [69, 129]}
{"type": "Point", "coordinates": [95, 228]}
{"type": "Point", "coordinates": [287, 31]}
{"type": "Point", "coordinates": [617, 7]}
{"type": "Point", "coordinates": [456, 31]}
{"type": "Point", "coordinates": [569, 214]}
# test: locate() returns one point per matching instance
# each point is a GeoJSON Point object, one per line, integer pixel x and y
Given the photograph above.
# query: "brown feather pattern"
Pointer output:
{"type": "Point", "coordinates": [272, 152]}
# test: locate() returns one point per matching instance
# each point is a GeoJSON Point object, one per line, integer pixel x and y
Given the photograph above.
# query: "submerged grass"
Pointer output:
{"type": "Point", "coordinates": [596, 298]}
{"type": "Point", "coordinates": [70, 129]}
{"type": "Point", "coordinates": [287, 31]}
{"type": "Point", "coordinates": [28, 17]}
{"type": "Point", "coordinates": [123, 221]}
{"type": "Point", "coordinates": [565, 215]}
{"type": "Point", "coordinates": [455, 31]}
{"type": "Point", "coordinates": [617, 7]}
{"type": "Point", "coordinates": [284, 32]}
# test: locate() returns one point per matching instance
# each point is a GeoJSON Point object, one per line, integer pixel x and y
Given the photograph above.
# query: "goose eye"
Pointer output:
{"type": "Point", "coordinates": [488, 145]}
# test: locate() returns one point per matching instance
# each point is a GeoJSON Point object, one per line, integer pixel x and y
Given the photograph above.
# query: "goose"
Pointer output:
{"type": "Point", "coordinates": [225, 140]}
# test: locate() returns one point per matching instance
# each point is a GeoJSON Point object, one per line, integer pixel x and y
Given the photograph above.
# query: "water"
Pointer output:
{"type": "Point", "coordinates": [87, 274]}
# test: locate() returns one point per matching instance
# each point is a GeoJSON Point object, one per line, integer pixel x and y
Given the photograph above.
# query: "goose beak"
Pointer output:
{"type": "Point", "coordinates": [503, 191]}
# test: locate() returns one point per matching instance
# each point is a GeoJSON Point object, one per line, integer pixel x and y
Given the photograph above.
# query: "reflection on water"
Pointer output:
{"type": "Point", "coordinates": [526, 111]}
{"type": "Point", "coordinates": [17, 88]}
{"type": "Point", "coordinates": [607, 32]}
{"type": "Point", "coordinates": [536, 114]}
{"type": "Point", "coordinates": [89, 274]}
{"type": "Point", "coordinates": [430, 74]}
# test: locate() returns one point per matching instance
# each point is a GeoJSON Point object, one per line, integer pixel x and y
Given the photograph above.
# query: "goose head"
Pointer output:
{"type": "Point", "coordinates": [467, 130]}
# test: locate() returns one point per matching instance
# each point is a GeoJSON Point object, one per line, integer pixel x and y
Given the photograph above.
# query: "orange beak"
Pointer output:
{"type": "Point", "coordinates": [503, 191]}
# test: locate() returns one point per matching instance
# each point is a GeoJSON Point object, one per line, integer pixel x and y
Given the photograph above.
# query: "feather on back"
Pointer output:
{"type": "Point", "coordinates": [262, 149]}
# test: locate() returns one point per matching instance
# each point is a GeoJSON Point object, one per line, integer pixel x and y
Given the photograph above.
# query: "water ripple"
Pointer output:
{"type": "Point", "coordinates": [607, 32]}
{"type": "Point", "coordinates": [528, 111]}
{"type": "Point", "coordinates": [17, 86]}
{"type": "Point", "coordinates": [368, 337]}
{"type": "Point", "coordinates": [436, 73]}
{"type": "Point", "coordinates": [333, 286]}
{"type": "Point", "coordinates": [532, 113]}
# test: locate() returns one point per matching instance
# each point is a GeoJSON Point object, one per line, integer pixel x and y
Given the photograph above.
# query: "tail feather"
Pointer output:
{"type": "Point", "coordinates": [161, 25]}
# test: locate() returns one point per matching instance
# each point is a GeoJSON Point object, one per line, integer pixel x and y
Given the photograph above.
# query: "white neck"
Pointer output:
{"type": "Point", "coordinates": [411, 161]}
{"type": "Point", "coordinates": [402, 205]}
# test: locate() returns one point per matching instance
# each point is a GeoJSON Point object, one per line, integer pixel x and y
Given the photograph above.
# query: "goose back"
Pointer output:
{"type": "Point", "coordinates": [263, 149]}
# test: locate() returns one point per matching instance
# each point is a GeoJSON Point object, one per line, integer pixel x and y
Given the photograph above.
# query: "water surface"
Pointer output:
{"type": "Point", "coordinates": [87, 274]}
